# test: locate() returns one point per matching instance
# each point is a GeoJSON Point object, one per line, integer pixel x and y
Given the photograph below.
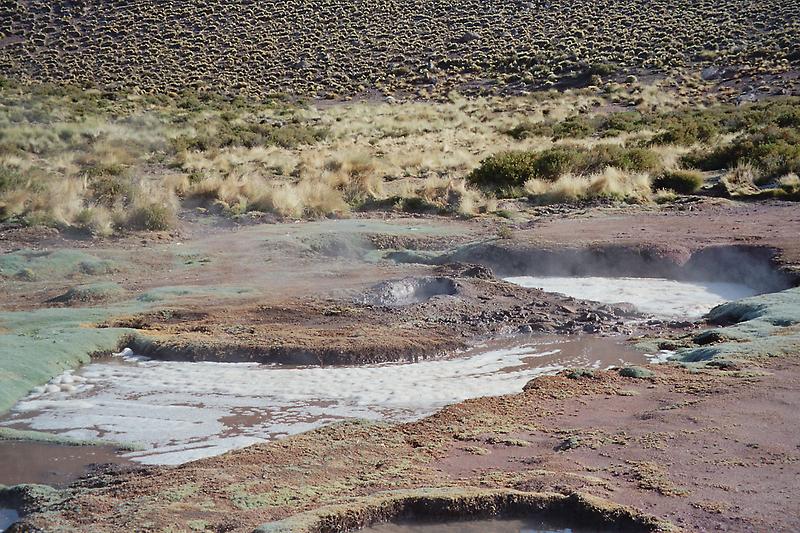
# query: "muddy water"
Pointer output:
{"type": "Point", "coordinates": [481, 526]}
{"type": "Point", "coordinates": [660, 297]}
{"type": "Point", "coordinates": [7, 517]}
{"type": "Point", "coordinates": [181, 411]}
{"type": "Point", "coordinates": [50, 464]}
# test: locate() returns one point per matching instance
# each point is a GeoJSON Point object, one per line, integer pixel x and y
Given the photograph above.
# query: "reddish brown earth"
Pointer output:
{"type": "Point", "coordinates": [708, 450]}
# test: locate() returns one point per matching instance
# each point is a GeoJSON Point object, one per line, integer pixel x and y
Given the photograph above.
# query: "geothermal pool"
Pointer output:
{"type": "Point", "coordinates": [181, 411]}
{"type": "Point", "coordinates": [481, 526]}
{"type": "Point", "coordinates": [7, 517]}
{"type": "Point", "coordinates": [663, 298]}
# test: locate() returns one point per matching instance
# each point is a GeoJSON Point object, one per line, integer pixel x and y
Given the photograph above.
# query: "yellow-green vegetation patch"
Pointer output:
{"type": "Point", "coordinates": [247, 495]}
{"type": "Point", "coordinates": [177, 292]}
{"type": "Point", "coordinates": [90, 293]}
{"type": "Point", "coordinates": [198, 525]}
{"type": "Point", "coordinates": [652, 476]}
{"type": "Point", "coordinates": [181, 493]}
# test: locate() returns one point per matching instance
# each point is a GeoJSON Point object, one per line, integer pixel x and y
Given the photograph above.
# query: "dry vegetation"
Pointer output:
{"type": "Point", "coordinates": [112, 161]}
{"type": "Point", "coordinates": [395, 47]}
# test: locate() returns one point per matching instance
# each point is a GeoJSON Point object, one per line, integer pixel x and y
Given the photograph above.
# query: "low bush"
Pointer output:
{"type": "Point", "coordinates": [151, 217]}
{"type": "Point", "coordinates": [511, 169]}
{"type": "Point", "coordinates": [686, 132]}
{"type": "Point", "coordinates": [773, 150]}
{"type": "Point", "coordinates": [680, 181]}
{"type": "Point", "coordinates": [631, 159]}
{"type": "Point", "coordinates": [504, 169]}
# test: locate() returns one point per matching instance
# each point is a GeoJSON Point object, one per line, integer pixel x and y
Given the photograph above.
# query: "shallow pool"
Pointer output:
{"type": "Point", "coordinates": [7, 517]}
{"type": "Point", "coordinates": [481, 526]}
{"type": "Point", "coordinates": [663, 298]}
{"type": "Point", "coordinates": [183, 411]}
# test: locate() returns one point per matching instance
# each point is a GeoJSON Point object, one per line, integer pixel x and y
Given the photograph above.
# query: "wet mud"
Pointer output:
{"type": "Point", "coordinates": [51, 464]}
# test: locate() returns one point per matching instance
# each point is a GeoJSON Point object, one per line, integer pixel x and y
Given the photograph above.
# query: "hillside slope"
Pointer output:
{"type": "Point", "coordinates": [331, 48]}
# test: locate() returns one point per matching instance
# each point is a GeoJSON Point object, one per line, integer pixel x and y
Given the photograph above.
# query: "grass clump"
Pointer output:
{"type": "Point", "coordinates": [680, 181]}
{"type": "Point", "coordinates": [609, 184]}
{"type": "Point", "coordinates": [151, 217]}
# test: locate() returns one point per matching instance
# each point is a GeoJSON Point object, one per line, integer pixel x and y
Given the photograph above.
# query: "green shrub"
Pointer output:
{"type": "Point", "coordinates": [416, 204]}
{"type": "Point", "coordinates": [249, 135]}
{"type": "Point", "coordinates": [626, 121]}
{"type": "Point", "coordinates": [686, 132]}
{"type": "Point", "coordinates": [573, 128]}
{"type": "Point", "coordinates": [504, 169]}
{"type": "Point", "coordinates": [774, 151]}
{"type": "Point", "coordinates": [633, 159]}
{"type": "Point", "coordinates": [109, 190]}
{"type": "Point", "coordinates": [555, 162]}
{"type": "Point", "coordinates": [523, 130]}
{"type": "Point", "coordinates": [513, 169]}
{"type": "Point", "coordinates": [636, 372]}
{"type": "Point", "coordinates": [151, 217]}
{"type": "Point", "coordinates": [10, 179]}
{"type": "Point", "coordinates": [680, 181]}
{"type": "Point", "coordinates": [600, 69]}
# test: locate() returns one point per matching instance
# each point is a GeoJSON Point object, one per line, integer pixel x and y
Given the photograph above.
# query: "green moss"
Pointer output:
{"type": "Point", "coordinates": [636, 372]}
{"type": "Point", "coordinates": [761, 326]}
{"type": "Point", "coordinates": [579, 373]}
{"type": "Point", "coordinates": [181, 493]}
{"type": "Point", "coordinates": [59, 264]}
{"type": "Point", "coordinates": [93, 292]}
{"type": "Point", "coordinates": [39, 436]}
{"type": "Point", "coordinates": [37, 345]}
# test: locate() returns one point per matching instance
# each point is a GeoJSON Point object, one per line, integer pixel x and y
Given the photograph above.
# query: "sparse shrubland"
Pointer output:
{"type": "Point", "coordinates": [425, 49]}
{"type": "Point", "coordinates": [107, 162]}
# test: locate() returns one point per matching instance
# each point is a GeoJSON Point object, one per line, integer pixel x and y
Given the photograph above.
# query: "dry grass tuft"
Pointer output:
{"type": "Point", "coordinates": [611, 183]}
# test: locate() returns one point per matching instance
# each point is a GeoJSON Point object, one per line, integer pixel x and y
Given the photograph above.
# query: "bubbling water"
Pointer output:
{"type": "Point", "coordinates": [183, 411]}
{"type": "Point", "coordinates": [7, 518]}
{"type": "Point", "coordinates": [663, 298]}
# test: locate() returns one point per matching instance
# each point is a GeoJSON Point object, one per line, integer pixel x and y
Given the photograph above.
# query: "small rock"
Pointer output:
{"type": "Point", "coordinates": [579, 373]}
{"type": "Point", "coordinates": [710, 73]}
{"type": "Point", "coordinates": [568, 444]}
